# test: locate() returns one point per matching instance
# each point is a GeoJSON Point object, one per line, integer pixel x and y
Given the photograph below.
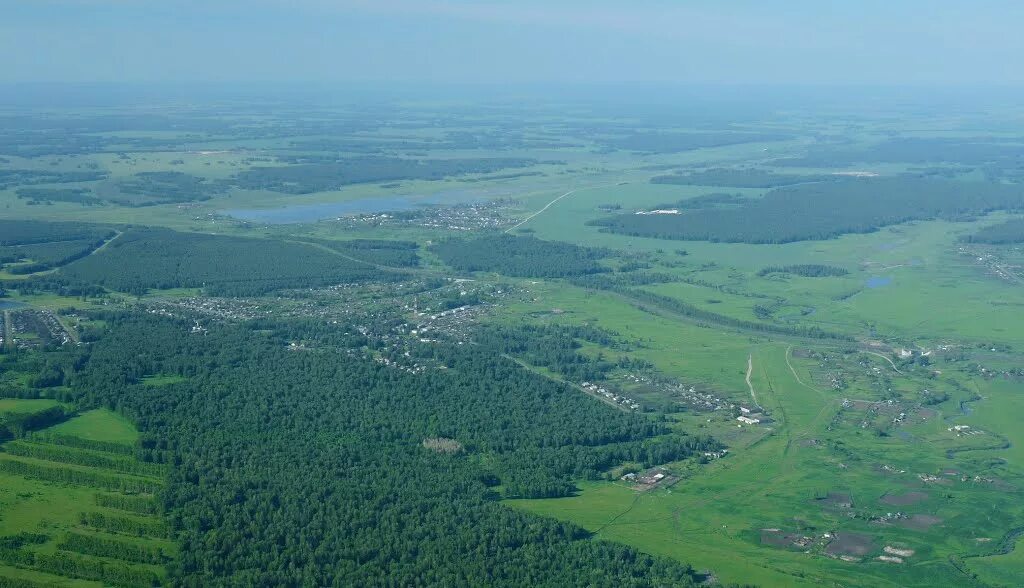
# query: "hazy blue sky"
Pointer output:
{"type": "Point", "coordinates": [687, 41]}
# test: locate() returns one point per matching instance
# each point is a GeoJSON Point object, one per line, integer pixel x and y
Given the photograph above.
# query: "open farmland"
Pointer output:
{"type": "Point", "coordinates": [604, 343]}
{"type": "Point", "coordinates": [78, 507]}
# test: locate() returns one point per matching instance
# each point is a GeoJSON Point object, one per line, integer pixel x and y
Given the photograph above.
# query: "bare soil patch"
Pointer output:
{"type": "Point", "coordinates": [907, 499]}
{"type": "Point", "coordinates": [855, 544]}
{"type": "Point", "coordinates": [920, 522]}
{"type": "Point", "coordinates": [838, 500]}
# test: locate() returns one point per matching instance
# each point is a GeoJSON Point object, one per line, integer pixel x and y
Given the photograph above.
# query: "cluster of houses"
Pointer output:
{"type": "Point", "coordinates": [623, 401]}
{"type": "Point", "coordinates": [41, 323]}
{"type": "Point", "coordinates": [688, 396]}
{"type": "Point", "coordinates": [992, 263]}
{"type": "Point", "coordinates": [464, 217]}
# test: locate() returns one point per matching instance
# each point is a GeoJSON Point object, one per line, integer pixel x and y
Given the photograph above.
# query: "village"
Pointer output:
{"type": "Point", "coordinates": [460, 217]}
{"type": "Point", "coordinates": [34, 328]}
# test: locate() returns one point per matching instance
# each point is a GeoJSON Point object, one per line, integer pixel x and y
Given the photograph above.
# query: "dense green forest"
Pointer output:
{"type": "Point", "coordinates": [304, 178]}
{"type": "Point", "coordinates": [10, 178]}
{"type": "Point", "coordinates": [738, 178]}
{"type": "Point", "coordinates": [825, 210]}
{"type": "Point", "coordinates": [520, 256]}
{"type": "Point", "coordinates": [1011, 231]}
{"type": "Point", "coordinates": [141, 259]}
{"type": "Point", "coordinates": [26, 232]}
{"type": "Point", "coordinates": [337, 487]}
{"type": "Point", "coordinates": [375, 251]}
{"type": "Point", "coordinates": [149, 188]}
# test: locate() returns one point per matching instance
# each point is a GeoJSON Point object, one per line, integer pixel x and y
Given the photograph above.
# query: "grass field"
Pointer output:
{"type": "Point", "coordinates": [77, 508]}
{"type": "Point", "coordinates": [99, 425]}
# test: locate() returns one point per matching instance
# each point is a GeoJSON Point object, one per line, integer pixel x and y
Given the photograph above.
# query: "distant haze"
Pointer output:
{"type": "Point", "coordinates": [889, 42]}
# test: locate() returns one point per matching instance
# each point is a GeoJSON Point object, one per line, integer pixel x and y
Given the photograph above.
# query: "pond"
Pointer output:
{"type": "Point", "coordinates": [9, 304]}
{"type": "Point", "coordinates": [877, 282]}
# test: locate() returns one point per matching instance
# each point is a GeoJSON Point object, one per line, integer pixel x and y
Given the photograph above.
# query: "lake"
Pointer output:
{"type": "Point", "coordinates": [9, 304]}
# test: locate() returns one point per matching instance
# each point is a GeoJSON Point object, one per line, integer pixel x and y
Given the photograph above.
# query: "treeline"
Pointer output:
{"type": "Point", "coordinates": [738, 178]}
{"type": "Point", "coordinates": [142, 259]}
{"type": "Point", "coordinates": [123, 525]}
{"type": "Point", "coordinates": [305, 178]}
{"type": "Point", "coordinates": [137, 504]}
{"type": "Point", "coordinates": [66, 564]}
{"type": "Point", "coordinates": [112, 548]}
{"type": "Point", "coordinates": [336, 488]}
{"type": "Point", "coordinates": [520, 256]}
{"type": "Point", "coordinates": [825, 210]}
{"type": "Point", "coordinates": [1011, 231]}
{"type": "Point", "coordinates": [686, 309]}
{"type": "Point", "coordinates": [663, 142]}
{"type": "Point", "coordinates": [807, 270]}
{"type": "Point", "coordinates": [63, 454]}
{"type": "Point", "coordinates": [92, 444]}
{"type": "Point", "coordinates": [78, 477]}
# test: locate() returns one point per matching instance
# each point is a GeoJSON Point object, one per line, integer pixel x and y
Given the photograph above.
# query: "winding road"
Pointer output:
{"type": "Point", "coordinates": [750, 370]}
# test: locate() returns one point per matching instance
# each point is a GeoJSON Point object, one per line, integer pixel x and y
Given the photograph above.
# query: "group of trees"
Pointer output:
{"type": "Point", "coordinates": [309, 468]}
{"type": "Point", "coordinates": [520, 256]}
{"type": "Point", "coordinates": [807, 270]}
{"type": "Point", "coordinates": [83, 196]}
{"type": "Point", "coordinates": [19, 424]}
{"type": "Point", "coordinates": [141, 259]}
{"type": "Point", "coordinates": [552, 347]}
{"type": "Point", "coordinates": [825, 210]}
